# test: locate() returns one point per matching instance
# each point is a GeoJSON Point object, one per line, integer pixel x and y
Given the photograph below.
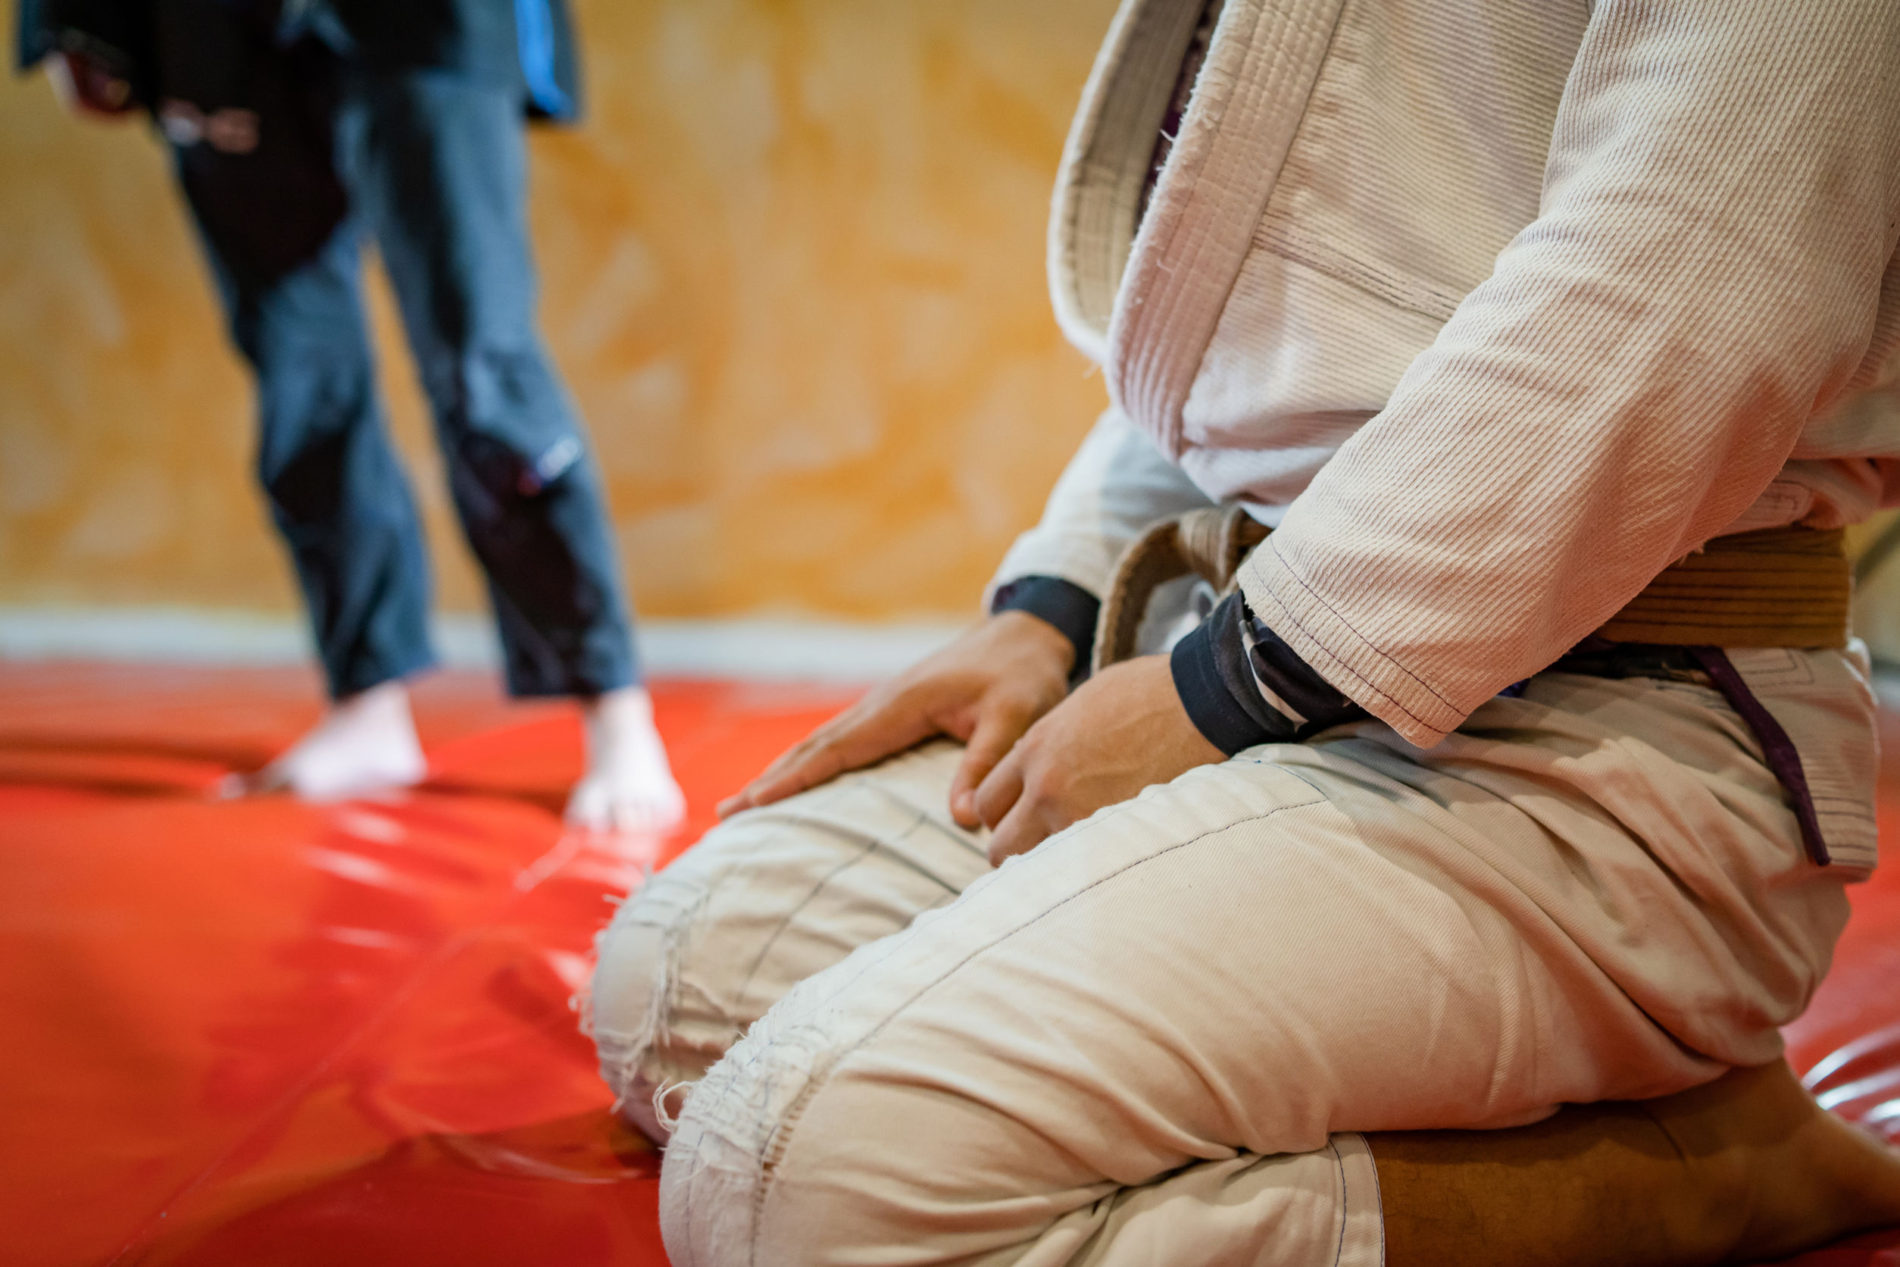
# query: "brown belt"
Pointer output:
{"type": "Point", "coordinates": [1780, 587]}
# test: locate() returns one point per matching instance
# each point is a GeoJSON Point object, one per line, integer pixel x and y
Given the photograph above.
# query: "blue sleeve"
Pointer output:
{"type": "Point", "coordinates": [32, 39]}
{"type": "Point", "coordinates": [116, 32]}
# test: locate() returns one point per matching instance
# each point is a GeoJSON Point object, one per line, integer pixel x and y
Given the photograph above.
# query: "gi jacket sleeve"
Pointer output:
{"type": "Point", "coordinates": [1112, 490]}
{"type": "Point", "coordinates": [1115, 486]}
{"type": "Point", "coordinates": [1721, 202]}
{"type": "Point", "coordinates": [32, 41]}
{"type": "Point", "coordinates": [117, 33]}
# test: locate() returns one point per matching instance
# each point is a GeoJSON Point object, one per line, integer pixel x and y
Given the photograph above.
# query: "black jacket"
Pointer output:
{"type": "Point", "coordinates": [528, 44]}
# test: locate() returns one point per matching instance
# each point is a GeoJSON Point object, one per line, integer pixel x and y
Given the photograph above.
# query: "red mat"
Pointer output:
{"type": "Point", "coordinates": [270, 1033]}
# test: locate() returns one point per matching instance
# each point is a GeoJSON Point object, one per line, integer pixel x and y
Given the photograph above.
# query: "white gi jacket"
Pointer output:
{"type": "Point", "coordinates": [1495, 307]}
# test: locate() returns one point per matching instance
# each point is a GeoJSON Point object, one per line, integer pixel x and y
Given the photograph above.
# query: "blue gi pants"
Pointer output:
{"type": "Point", "coordinates": [432, 166]}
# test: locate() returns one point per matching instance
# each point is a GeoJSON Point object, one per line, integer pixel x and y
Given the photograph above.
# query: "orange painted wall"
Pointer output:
{"type": "Point", "coordinates": [793, 271]}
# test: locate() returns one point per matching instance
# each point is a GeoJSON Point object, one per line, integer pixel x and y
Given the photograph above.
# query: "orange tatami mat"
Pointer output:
{"type": "Point", "coordinates": [264, 1032]}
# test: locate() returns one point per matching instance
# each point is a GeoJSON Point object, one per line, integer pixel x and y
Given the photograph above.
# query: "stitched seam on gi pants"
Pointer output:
{"type": "Point", "coordinates": [1378, 1198]}
{"type": "Point", "coordinates": [873, 844]}
{"type": "Point", "coordinates": [864, 851]}
{"type": "Point", "coordinates": [1345, 1200]}
{"type": "Point", "coordinates": [772, 1148]}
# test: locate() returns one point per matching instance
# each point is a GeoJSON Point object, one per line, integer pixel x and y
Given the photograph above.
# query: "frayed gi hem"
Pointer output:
{"type": "Point", "coordinates": [628, 1061]}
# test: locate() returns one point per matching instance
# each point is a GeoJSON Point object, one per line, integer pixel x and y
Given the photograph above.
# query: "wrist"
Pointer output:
{"type": "Point", "coordinates": [1063, 606]}
{"type": "Point", "coordinates": [1037, 638]}
{"type": "Point", "coordinates": [1222, 715]}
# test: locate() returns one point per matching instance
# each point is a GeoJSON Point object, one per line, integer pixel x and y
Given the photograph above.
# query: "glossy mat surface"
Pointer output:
{"type": "Point", "coordinates": [270, 1033]}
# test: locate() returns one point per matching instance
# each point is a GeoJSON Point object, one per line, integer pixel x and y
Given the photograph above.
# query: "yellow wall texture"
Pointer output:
{"type": "Point", "coordinates": [792, 268]}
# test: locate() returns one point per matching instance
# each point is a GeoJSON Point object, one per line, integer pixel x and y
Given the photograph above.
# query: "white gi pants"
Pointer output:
{"type": "Point", "coordinates": [1153, 1039]}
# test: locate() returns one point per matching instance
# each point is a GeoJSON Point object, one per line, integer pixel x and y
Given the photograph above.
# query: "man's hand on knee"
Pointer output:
{"type": "Point", "coordinates": [1123, 730]}
{"type": "Point", "coordinates": [986, 689]}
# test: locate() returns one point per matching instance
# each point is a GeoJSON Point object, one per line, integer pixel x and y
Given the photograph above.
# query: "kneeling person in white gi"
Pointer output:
{"type": "Point", "coordinates": [1488, 790]}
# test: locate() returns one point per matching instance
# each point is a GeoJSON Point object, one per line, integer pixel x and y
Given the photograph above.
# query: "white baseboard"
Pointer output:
{"type": "Point", "coordinates": [756, 648]}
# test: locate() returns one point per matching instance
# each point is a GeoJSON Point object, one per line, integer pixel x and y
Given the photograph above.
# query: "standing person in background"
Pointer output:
{"type": "Point", "coordinates": [301, 129]}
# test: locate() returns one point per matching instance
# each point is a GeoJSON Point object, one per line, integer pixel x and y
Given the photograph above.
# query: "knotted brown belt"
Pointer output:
{"type": "Point", "coordinates": [1780, 587]}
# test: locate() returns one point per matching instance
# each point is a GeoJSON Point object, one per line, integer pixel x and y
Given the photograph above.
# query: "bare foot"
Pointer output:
{"type": "Point", "coordinates": [1795, 1175]}
{"type": "Point", "coordinates": [628, 785]}
{"type": "Point", "coordinates": [365, 744]}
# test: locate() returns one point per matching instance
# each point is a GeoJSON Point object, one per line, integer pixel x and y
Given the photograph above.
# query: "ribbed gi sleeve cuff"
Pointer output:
{"type": "Point", "coordinates": [1068, 607]}
{"type": "Point", "coordinates": [1310, 628]}
{"type": "Point", "coordinates": [1241, 685]}
{"type": "Point", "coordinates": [1225, 717]}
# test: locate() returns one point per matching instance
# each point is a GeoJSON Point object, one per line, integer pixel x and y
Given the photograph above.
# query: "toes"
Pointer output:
{"type": "Point", "coordinates": [629, 805]}
{"type": "Point", "coordinates": [627, 817]}
{"type": "Point", "coordinates": [642, 814]}
{"type": "Point", "coordinates": [589, 807]}
{"type": "Point", "coordinates": [240, 784]}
